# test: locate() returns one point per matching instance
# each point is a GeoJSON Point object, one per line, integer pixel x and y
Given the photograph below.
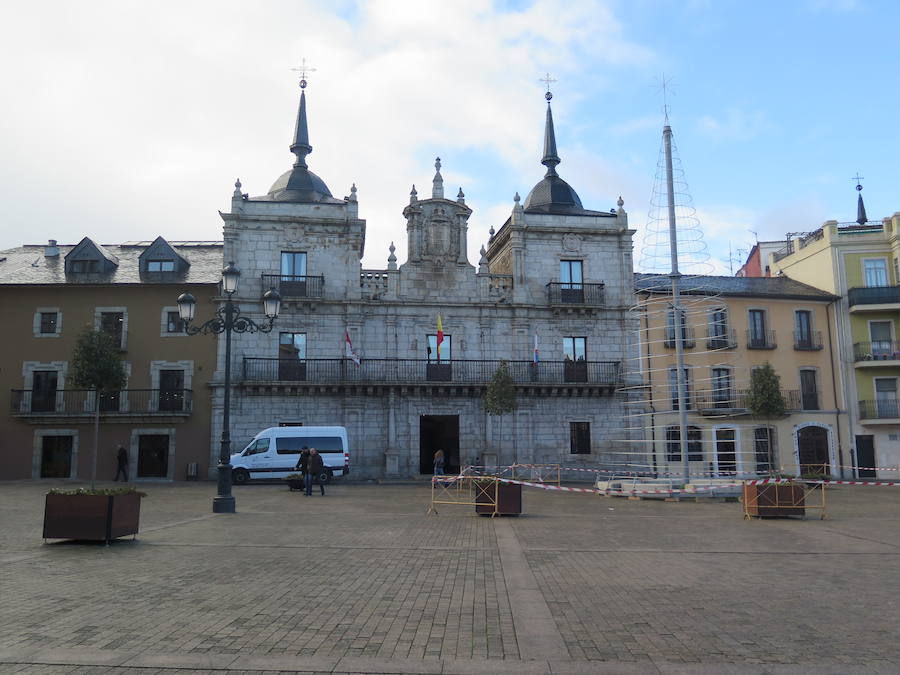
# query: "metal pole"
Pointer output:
{"type": "Point", "coordinates": [680, 324]}
{"type": "Point", "coordinates": [224, 501]}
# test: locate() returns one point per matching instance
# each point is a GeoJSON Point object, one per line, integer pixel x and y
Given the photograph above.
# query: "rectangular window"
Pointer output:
{"type": "Point", "coordinates": [293, 264]}
{"type": "Point", "coordinates": [112, 323]}
{"type": "Point", "coordinates": [48, 322]}
{"type": "Point", "coordinates": [875, 272]}
{"type": "Point", "coordinates": [570, 277]}
{"type": "Point", "coordinates": [886, 396]}
{"type": "Point", "coordinates": [575, 359]}
{"type": "Point", "coordinates": [881, 334]}
{"type": "Point", "coordinates": [43, 390]}
{"type": "Point", "coordinates": [85, 266]}
{"type": "Point", "coordinates": [670, 329]}
{"type": "Point", "coordinates": [718, 323]}
{"type": "Point", "coordinates": [673, 388]}
{"type": "Point", "coordinates": [292, 356]}
{"type": "Point", "coordinates": [174, 323]}
{"type": "Point", "coordinates": [722, 394]}
{"type": "Point", "coordinates": [153, 456]}
{"type": "Point", "coordinates": [56, 456]}
{"type": "Point", "coordinates": [803, 327]}
{"type": "Point", "coordinates": [726, 451]}
{"type": "Point", "coordinates": [290, 445]}
{"type": "Point", "coordinates": [580, 438]}
{"type": "Point", "coordinates": [762, 446]}
{"type": "Point", "coordinates": [446, 351]}
{"type": "Point", "coordinates": [160, 265]}
{"type": "Point", "coordinates": [809, 393]}
{"type": "Point", "coordinates": [757, 322]}
{"type": "Point", "coordinates": [694, 444]}
{"type": "Point", "coordinates": [171, 390]}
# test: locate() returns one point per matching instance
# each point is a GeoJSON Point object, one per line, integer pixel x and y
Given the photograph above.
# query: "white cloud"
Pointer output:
{"type": "Point", "coordinates": [734, 124]}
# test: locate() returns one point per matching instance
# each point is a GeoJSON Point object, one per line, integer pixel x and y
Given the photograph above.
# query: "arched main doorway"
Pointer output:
{"type": "Point", "coordinates": [812, 450]}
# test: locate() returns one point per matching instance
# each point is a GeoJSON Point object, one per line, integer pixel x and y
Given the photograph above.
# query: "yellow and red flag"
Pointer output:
{"type": "Point", "coordinates": [440, 337]}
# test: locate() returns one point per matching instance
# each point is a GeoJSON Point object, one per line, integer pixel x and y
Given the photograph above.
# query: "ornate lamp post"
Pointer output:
{"type": "Point", "coordinates": [228, 319]}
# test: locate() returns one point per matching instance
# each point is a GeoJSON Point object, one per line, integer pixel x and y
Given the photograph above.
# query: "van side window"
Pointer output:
{"type": "Point", "coordinates": [258, 446]}
{"type": "Point", "coordinates": [326, 444]}
{"type": "Point", "coordinates": [288, 445]}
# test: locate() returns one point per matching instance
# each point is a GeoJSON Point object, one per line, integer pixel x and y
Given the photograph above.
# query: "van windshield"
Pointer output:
{"type": "Point", "coordinates": [288, 445]}
{"type": "Point", "coordinates": [256, 447]}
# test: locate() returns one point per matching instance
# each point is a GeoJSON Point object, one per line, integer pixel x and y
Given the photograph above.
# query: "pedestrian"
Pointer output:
{"type": "Point", "coordinates": [439, 463]}
{"type": "Point", "coordinates": [122, 463]}
{"type": "Point", "coordinates": [314, 467]}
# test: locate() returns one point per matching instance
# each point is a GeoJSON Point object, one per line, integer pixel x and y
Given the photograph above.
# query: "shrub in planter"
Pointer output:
{"type": "Point", "coordinates": [92, 514]}
{"type": "Point", "coordinates": [295, 481]}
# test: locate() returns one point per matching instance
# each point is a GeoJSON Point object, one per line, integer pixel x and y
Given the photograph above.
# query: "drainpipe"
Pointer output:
{"type": "Point", "coordinates": [837, 413]}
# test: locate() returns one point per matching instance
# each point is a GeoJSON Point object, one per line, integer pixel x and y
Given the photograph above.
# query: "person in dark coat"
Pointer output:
{"type": "Point", "coordinates": [314, 467]}
{"type": "Point", "coordinates": [122, 463]}
{"type": "Point", "coordinates": [303, 461]}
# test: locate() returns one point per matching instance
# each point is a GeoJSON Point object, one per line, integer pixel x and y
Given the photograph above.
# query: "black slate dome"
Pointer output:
{"type": "Point", "coordinates": [299, 185]}
{"type": "Point", "coordinates": [553, 195]}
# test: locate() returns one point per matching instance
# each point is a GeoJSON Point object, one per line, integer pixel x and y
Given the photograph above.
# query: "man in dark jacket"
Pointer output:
{"type": "Point", "coordinates": [121, 463]}
{"type": "Point", "coordinates": [314, 467]}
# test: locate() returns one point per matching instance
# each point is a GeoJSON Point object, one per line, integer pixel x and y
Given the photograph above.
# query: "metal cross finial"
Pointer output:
{"type": "Point", "coordinates": [304, 70]}
{"type": "Point", "coordinates": [858, 178]}
{"type": "Point", "coordinates": [547, 80]}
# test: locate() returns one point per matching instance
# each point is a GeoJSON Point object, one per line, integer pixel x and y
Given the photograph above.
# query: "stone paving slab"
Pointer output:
{"type": "Point", "coordinates": [363, 580]}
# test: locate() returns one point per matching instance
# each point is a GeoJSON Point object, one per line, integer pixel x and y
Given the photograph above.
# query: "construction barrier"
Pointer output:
{"type": "Point", "coordinates": [464, 490]}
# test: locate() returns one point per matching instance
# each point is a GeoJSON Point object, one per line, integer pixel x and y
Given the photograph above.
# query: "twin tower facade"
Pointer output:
{"type": "Point", "coordinates": [360, 348]}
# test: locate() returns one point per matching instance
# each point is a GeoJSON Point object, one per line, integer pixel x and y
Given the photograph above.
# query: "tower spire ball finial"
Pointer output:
{"type": "Point", "coordinates": [304, 71]}
{"type": "Point", "coordinates": [547, 80]}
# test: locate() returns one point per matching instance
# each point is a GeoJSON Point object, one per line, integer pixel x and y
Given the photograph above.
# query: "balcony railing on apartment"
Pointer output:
{"type": "Point", "coordinates": [879, 350]}
{"type": "Point", "coordinates": [80, 402]}
{"type": "Point", "coordinates": [874, 295]}
{"type": "Point", "coordinates": [735, 400]}
{"type": "Point", "coordinates": [808, 342]}
{"type": "Point", "coordinates": [761, 339]}
{"type": "Point", "coordinates": [575, 294]}
{"type": "Point", "coordinates": [721, 338]}
{"type": "Point", "coordinates": [687, 333]}
{"type": "Point", "coordinates": [412, 371]}
{"type": "Point", "coordinates": [885, 408]}
{"type": "Point", "coordinates": [293, 286]}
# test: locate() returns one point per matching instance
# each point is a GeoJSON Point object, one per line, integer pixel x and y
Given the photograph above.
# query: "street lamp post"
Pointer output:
{"type": "Point", "coordinates": [228, 319]}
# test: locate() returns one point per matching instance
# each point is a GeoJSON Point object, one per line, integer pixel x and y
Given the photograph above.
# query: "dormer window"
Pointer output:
{"type": "Point", "coordinates": [160, 265]}
{"type": "Point", "coordinates": [85, 266]}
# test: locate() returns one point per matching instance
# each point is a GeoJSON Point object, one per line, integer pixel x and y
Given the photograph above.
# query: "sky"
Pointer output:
{"type": "Point", "coordinates": [124, 120]}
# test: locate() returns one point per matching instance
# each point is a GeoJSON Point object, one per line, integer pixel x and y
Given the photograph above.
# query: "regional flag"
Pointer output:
{"type": "Point", "coordinates": [537, 354]}
{"type": "Point", "coordinates": [440, 337]}
{"type": "Point", "coordinates": [349, 352]}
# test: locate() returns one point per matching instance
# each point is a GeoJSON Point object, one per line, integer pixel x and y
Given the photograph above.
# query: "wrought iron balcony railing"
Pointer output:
{"type": "Point", "coordinates": [874, 295]}
{"type": "Point", "coordinates": [575, 294]}
{"type": "Point", "coordinates": [808, 341]}
{"type": "Point", "coordinates": [761, 339]}
{"type": "Point", "coordinates": [293, 286]}
{"type": "Point", "coordinates": [879, 409]}
{"type": "Point", "coordinates": [879, 350]}
{"type": "Point", "coordinates": [412, 371]}
{"type": "Point", "coordinates": [80, 402]}
{"type": "Point", "coordinates": [721, 338]}
{"type": "Point", "coordinates": [735, 400]}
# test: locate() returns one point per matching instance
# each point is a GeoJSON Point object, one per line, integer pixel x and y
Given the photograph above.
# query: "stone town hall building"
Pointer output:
{"type": "Point", "coordinates": [555, 276]}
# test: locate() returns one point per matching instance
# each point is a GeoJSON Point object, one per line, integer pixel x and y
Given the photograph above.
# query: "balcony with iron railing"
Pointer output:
{"type": "Point", "coordinates": [808, 341]}
{"type": "Point", "coordinates": [721, 338]}
{"type": "Point", "coordinates": [80, 403]}
{"type": "Point", "coordinates": [687, 335]}
{"type": "Point", "coordinates": [734, 401]}
{"type": "Point", "coordinates": [590, 295]}
{"type": "Point", "coordinates": [880, 409]}
{"type": "Point", "coordinates": [878, 350]}
{"type": "Point", "coordinates": [294, 286]}
{"type": "Point", "coordinates": [874, 295]}
{"type": "Point", "coordinates": [761, 339]}
{"type": "Point", "coordinates": [421, 371]}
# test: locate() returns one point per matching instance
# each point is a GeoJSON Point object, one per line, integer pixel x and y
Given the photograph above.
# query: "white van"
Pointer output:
{"type": "Point", "coordinates": [274, 453]}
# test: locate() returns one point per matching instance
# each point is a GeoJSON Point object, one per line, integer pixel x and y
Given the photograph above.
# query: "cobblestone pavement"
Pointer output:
{"type": "Point", "coordinates": [363, 581]}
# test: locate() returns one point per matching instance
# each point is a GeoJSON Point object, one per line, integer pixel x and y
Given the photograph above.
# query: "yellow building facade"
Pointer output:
{"type": "Point", "coordinates": [861, 264]}
{"type": "Point", "coordinates": [729, 325]}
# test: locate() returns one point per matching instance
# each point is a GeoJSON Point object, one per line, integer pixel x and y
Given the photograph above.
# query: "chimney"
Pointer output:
{"type": "Point", "coordinates": [51, 250]}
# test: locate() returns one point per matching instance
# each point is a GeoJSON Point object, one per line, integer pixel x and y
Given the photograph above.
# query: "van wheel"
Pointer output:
{"type": "Point", "coordinates": [324, 478]}
{"type": "Point", "coordinates": [240, 477]}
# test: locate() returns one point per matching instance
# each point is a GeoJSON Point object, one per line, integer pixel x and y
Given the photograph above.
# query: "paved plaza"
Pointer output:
{"type": "Point", "coordinates": [363, 581]}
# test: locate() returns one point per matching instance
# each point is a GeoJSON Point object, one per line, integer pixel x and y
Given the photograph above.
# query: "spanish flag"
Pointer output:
{"type": "Point", "coordinates": [440, 337]}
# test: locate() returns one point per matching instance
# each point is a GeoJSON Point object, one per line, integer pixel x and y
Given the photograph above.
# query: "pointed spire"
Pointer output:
{"type": "Point", "coordinates": [861, 217]}
{"type": "Point", "coordinates": [437, 189]}
{"type": "Point", "coordinates": [301, 146]}
{"type": "Point", "coordinates": [551, 159]}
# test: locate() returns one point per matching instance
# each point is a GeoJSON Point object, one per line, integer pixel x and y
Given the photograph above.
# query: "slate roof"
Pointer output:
{"type": "Point", "coordinates": [27, 265]}
{"type": "Point", "coordinates": [751, 287]}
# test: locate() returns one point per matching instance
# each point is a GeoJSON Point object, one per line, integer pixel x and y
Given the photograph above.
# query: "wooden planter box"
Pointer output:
{"type": "Point", "coordinates": [774, 499]}
{"type": "Point", "coordinates": [508, 497]}
{"type": "Point", "coordinates": [91, 517]}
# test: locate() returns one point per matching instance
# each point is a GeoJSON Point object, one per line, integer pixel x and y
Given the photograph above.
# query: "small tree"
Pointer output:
{"type": "Point", "coordinates": [97, 366]}
{"type": "Point", "coordinates": [764, 399]}
{"type": "Point", "coordinates": [500, 396]}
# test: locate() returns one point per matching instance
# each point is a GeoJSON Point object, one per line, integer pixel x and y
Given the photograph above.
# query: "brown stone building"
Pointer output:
{"type": "Point", "coordinates": [49, 294]}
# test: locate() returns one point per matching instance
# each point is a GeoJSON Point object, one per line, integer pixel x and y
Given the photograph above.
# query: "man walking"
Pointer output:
{"type": "Point", "coordinates": [314, 467]}
{"type": "Point", "coordinates": [122, 463]}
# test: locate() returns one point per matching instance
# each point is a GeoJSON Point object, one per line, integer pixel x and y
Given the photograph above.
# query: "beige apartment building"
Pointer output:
{"type": "Point", "coordinates": [729, 325]}
{"type": "Point", "coordinates": [51, 293]}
